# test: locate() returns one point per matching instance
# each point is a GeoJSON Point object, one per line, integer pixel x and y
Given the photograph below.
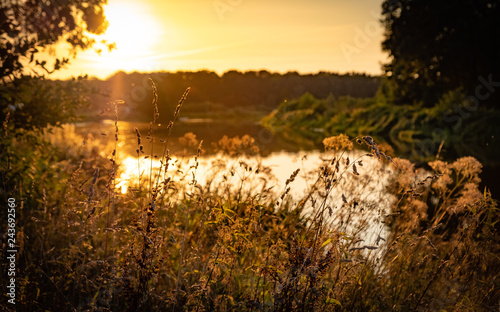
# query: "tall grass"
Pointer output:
{"type": "Point", "coordinates": [172, 245]}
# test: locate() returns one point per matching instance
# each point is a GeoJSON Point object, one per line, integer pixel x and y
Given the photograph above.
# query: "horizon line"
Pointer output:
{"type": "Point", "coordinates": [221, 74]}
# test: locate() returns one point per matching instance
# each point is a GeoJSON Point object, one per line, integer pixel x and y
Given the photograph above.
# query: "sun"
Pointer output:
{"type": "Point", "coordinates": [135, 32]}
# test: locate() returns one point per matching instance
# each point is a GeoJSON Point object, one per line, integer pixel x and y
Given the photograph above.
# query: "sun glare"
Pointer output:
{"type": "Point", "coordinates": [136, 33]}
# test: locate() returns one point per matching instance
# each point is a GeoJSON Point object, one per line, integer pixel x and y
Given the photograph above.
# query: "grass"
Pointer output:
{"type": "Point", "coordinates": [173, 244]}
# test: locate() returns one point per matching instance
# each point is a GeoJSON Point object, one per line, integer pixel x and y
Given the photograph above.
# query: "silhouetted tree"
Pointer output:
{"type": "Point", "coordinates": [252, 90]}
{"type": "Point", "coordinates": [437, 46]}
{"type": "Point", "coordinates": [27, 28]}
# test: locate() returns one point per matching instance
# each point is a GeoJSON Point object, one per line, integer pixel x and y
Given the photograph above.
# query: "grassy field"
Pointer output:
{"type": "Point", "coordinates": [168, 245]}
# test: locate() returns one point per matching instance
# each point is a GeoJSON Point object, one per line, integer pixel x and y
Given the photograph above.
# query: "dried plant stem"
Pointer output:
{"type": "Point", "coordinates": [186, 221]}
{"type": "Point", "coordinates": [111, 191]}
{"type": "Point", "coordinates": [170, 126]}
{"type": "Point", "coordinates": [152, 126]}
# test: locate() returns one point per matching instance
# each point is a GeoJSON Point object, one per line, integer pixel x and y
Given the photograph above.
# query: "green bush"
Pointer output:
{"type": "Point", "coordinates": [417, 131]}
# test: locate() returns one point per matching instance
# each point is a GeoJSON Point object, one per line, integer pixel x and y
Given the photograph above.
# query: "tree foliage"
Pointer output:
{"type": "Point", "coordinates": [29, 26]}
{"type": "Point", "coordinates": [438, 46]}
{"type": "Point", "coordinates": [34, 103]}
{"type": "Point", "coordinates": [30, 31]}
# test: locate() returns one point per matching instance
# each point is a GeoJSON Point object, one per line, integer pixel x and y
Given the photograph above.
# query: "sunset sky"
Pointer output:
{"type": "Point", "coordinates": [276, 35]}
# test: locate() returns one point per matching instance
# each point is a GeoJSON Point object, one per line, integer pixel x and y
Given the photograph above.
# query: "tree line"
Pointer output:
{"type": "Point", "coordinates": [252, 90]}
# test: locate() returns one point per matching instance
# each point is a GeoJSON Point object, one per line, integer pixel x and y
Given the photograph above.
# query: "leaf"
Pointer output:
{"type": "Point", "coordinates": [333, 301]}
{"type": "Point", "coordinates": [95, 296]}
{"type": "Point", "coordinates": [328, 241]}
{"type": "Point", "coordinates": [226, 210]}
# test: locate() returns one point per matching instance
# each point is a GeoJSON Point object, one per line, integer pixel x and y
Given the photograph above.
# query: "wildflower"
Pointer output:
{"type": "Point", "coordinates": [338, 142]}
{"type": "Point", "coordinates": [440, 167]}
{"type": "Point", "coordinates": [469, 167]}
{"type": "Point", "coordinates": [469, 197]}
{"type": "Point", "coordinates": [189, 140]}
{"type": "Point", "coordinates": [441, 184]}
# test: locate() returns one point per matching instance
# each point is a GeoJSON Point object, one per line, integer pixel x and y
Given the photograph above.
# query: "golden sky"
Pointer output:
{"type": "Point", "coordinates": [277, 35]}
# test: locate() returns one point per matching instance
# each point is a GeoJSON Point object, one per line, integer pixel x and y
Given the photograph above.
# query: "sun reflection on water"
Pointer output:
{"type": "Point", "coordinates": [355, 202]}
{"type": "Point", "coordinates": [217, 168]}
